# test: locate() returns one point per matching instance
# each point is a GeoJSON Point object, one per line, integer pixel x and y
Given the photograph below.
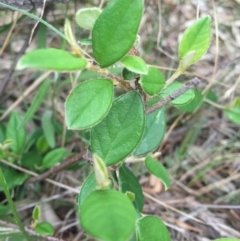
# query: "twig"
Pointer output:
{"type": "Point", "coordinates": [29, 231]}
{"type": "Point", "coordinates": [164, 204]}
{"type": "Point", "coordinates": [187, 86]}
{"type": "Point", "coordinates": [6, 41]}
{"type": "Point", "coordinates": [41, 16]}
{"type": "Point", "coordinates": [69, 162]}
{"type": "Point", "coordinates": [116, 80]}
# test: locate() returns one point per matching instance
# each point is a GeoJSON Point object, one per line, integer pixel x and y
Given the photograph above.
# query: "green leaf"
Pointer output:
{"type": "Point", "coordinates": [42, 145]}
{"type": "Point", "coordinates": [115, 30]}
{"type": "Point", "coordinates": [118, 134]}
{"type": "Point", "coordinates": [88, 103]}
{"type": "Point", "coordinates": [48, 128]}
{"type": "Point", "coordinates": [150, 228]}
{"type": "Point", "coordinates": [135, 64]}
{"type": "Point", "coordinates": [157, 169]}
{"type": "Point", "coordinates": [71, 38]}
{"type": "Point", "coordinates": [187, 60]}
{"type": "Point", "coordinates": [4, 209]}
{"type": "Point", "coordinates": [31, 160]}
{"type": "Point", "coordinates": [129, 183]}
{"type": "Point", "coordinates": [36, 213]}
{"type": "Point", "coordinates": [233, 114]}
{"type": "Point", "coordinates": [153, 133]}
{"type": "Point", "coordinates": [6, 144]}
{"type": "Point", "coordinates": [182, 99]}
{"type": "Point", "coordinates": [44, 228]}
{"type": "Point", "coordinates": [130, 195]}
{"type": "Point", "coordinates": [86, 17]}
{"type": "Point", "coordinates": [38, 99]}
{"type": "Point", "coordinates": [54, 156]}
{"type": "Point", "coordinates": [101, 173]}
{"type": "Point", "coordinates": [108, 215]}
{"type": "Point", "coordinates": [18, 135]}
{"type": "Point", "coordinates": [153, 82]}
{"type": "Point", "coordinates": [212, 96]}
{"type": "Point", "coordinates": [196, 38]}
{"type": "Point", "coordinates": [51, 59]}
{"type": "Point", "coordinates": [128, 75]}
{"type": "Point", "coordinates": [88, 187]}
{"type": "Point", "coordinates": [194, 104]}
{"type": "Point", "coordinates": [13, 178]}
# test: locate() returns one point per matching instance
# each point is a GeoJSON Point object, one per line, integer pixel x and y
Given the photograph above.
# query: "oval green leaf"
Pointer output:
{"type": "Point", "coordinates": [44, 228]}
{"type": "Point", "coordinates": [87, 188]}
{"type": "Point", "coordinates": [108, 215]}
{"type": "Point", "coordinates": [54, 156]}
{"type": "Point", "coordinates": [182, 99]}
{"type": "Point", "coordinates": [196, 38]}
{"type": "Point", "coordinates": [41, 144]}
{"type": "Point", "coordinates": [157, 169]}
{"type": "Point", "coordinates": [36, 214]}
{"type": "Point", "coordinates": [115, 30]}
{"type": "Point", "coordinates": [194, 104]}
{"type": "Point", "coordinates": [51, 59]}
{"type": "Point", "coordinates": [129, 183]}
{"type": "Point", "coordinates": [88, 103]}
{"type": "Point", "coordinates": [86, 17]}
{"type": "Point", "coordinates": [135, 64]}
{"type": "Point", "coordinates": [153, 82]}
{"type": "Point", "coordinates": [118, 134]}
{"type": "Point", "coordinates": [153, 133]}
{"type": "Point", "coordinates": [151, 228]}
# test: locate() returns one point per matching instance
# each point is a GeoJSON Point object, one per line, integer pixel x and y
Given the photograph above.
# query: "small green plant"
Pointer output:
{"type": "Point", "coordinates": [121, 125]}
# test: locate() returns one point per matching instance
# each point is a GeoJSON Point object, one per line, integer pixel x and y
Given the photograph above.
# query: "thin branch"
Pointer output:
{"type": "Point", "coordinates": [116, 80]}
{"type": "Point", "coordinates": [56, 169]}
{"type": "Point", "coordinates": [187, 86]}
{"type": "Point", "coordinates": [41, 16]}
{"type": "Point", "coordinates": [29, 231]}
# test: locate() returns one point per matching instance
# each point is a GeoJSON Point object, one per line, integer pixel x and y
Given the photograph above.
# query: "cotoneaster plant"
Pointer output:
{"type": "Point", "coordinates": [131, 124]}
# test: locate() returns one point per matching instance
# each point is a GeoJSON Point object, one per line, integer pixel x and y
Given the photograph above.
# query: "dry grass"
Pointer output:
{"type": "Point", "coordinates": [201, 150]}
